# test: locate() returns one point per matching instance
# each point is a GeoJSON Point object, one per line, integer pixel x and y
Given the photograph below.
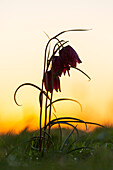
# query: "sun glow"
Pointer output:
{"type": "Point", "coordinates": [30, 117]}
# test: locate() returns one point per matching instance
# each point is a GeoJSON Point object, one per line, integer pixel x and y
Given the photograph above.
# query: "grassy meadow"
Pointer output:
{"type": "Point", "coordinates": [85, 150]}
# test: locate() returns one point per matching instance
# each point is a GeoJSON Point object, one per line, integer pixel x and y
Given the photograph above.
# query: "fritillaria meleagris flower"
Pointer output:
{"type": "Point", "coordinates": [51, 81]}
{"type": "Point", "coordinates": [67, 58]}
{"type": "Point", "coordinates": [60, 64]}
{"type": "Point", "coordinates": [57, 65]}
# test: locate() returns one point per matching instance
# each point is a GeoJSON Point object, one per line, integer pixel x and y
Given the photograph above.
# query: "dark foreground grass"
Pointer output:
{"type": "Point", "coordinates": [19, 152]}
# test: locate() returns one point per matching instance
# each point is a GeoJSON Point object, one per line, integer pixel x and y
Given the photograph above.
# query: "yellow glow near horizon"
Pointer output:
{"type": "Point", "coordinates": [22, 44]}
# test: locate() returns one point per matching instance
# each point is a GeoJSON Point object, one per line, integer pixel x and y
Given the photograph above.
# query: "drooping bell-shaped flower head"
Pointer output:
{"type": "Point", "coordinates": [57, 66]}
{"type": "Point", "coordinates": [51, 82]}
{"type": "Point", "coordinates": [67, 58]}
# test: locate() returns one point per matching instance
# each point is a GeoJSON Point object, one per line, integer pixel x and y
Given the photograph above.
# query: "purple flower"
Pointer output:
{"type": "Point", "coordinates": [57, 65]}
{"type": "Point", "coordinates": [67, 58]}
{"type": "Point", "coordinates": [60, 64]}
{"type": "Point", "coordinates": [51, 81]}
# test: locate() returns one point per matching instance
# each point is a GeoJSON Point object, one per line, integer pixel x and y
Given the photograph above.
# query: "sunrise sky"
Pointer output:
{"type": "Point", "coordinates": [22, 44]}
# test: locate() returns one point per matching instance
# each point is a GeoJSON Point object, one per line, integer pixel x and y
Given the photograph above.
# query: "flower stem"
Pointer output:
{"type": "Point", "coordinates": [49, 121]}
{"type": "Point", "coordinates": [45, 123]}
{"type": "Point", "coordinates": [40, 143]}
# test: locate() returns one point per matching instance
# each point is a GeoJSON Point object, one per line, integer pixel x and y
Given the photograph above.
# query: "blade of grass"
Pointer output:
{"type": "Point", "coordinates": [61, 99]}
{"type": "Point", "coordinates": [79, 149]}
{"type": "Point", "coordinates": [49, 45]}
{"type": "Point", "coordinates": [63, 122]}
{"type": "Point", "coordinates": [67, 139]}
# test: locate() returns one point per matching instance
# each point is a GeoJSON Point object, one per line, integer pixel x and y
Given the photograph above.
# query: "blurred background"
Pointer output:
{"type": "Point", "coordinates": [22, 45]}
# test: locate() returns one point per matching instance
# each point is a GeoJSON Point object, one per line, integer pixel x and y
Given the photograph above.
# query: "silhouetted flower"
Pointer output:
{"type": "Point", "coordinates": [67, 58]}
{"type": "Point", "coordinates": [60, 64]}
{"type": "Point", "coordinates": [57, 65]}
{"type": "Point", "coordinates": [51, 81]}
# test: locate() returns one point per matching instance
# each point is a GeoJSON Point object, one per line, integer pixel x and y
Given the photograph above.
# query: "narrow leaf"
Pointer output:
{"type": "Point", "coordinates": [65, 99]}
{"type": "Point", "coordinates": [79, 149]}
{"type": "Point", "coordinates": [82, 72]}
{"type": "Point", "coordinates": [30, 84]}
{"type": "Point", "coordinates": [66, 139]}
{"type": "Point", "coordinates": [72, 30]}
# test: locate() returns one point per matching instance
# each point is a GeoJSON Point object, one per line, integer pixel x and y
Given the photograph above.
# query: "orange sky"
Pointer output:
{"type": "Point", "coordinates": [22, 44]}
